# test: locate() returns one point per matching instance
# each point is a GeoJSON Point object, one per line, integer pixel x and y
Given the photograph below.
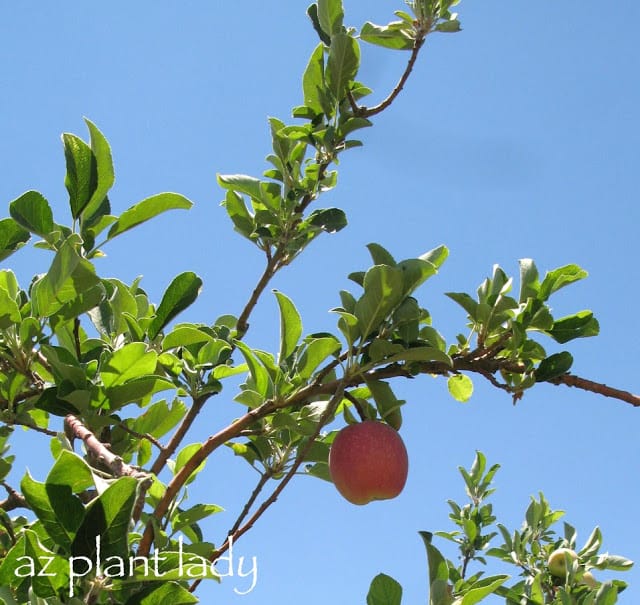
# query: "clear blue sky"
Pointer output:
{"type": "Point", "coordinates": [516, 138]}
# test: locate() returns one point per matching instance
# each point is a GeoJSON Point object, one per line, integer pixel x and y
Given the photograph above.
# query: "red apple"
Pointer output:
{"type": "Point", "coordinates": [368, 461]}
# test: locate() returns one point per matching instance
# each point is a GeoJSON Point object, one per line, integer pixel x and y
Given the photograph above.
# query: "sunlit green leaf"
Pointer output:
{"type": "Point", "coordinates": [147, 209]}
{"type": "Point", "coordinates": [461, 387]}
{"type": "Point", "coordinates": [180, 294]}
{"type": "Point", "coordinates": [290, 326]}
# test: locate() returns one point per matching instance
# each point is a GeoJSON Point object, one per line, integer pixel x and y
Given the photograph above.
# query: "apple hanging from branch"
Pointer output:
{"type": "Point", "coordinates": [368, 461]}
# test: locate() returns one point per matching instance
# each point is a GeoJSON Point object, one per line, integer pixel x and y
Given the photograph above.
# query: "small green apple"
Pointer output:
{"type": "Point", "coordinates": [557, 562]}
{"type": "Point", "coordinates": [368, 461]}
{"type": "Point", "coordinates": [588, 580]}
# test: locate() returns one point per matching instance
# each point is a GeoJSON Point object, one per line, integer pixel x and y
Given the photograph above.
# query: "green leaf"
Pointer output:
{"type": "Point", "coordinates": [133, 360]}
{"type": "Point", "coordinates": [108, 517]}
{"type": "Point", "coordinates": [262, 381]}
{"type": "Point", "coordinates": [180, 294]}
{"type": "Point", "coordinates": [380, 255]}
{"type": "Point", "coordinates": [193, 515]}
{"type": "Point", "coordinates": [387, 403]}
{"type": "Point", "coordinates": [342, 64]}
{"type": "Point", "coordinates": [68, 277]}
{"type": "Point", "coordinates": [105, 175]}
{"type": "Point", "coordinates": [437, 256]}
{"type": "Point", "coordinates": [559, 278]}
{"type": "Point", "coordinates": [243, 220]}
{"type": "Point", "coordinates": [184, 455]}
{"type": "Point", "coordinates": [465, 301]}
{"type": "Point", "coordinates": [9, 310]}
{"type": "Point", "coordinates": [580, 325]}
{"type": "Point", "coordinates": [59, 511]}
{"type": "Point", "coordinates": [553, 366]}
{"type": "Point", "coordinates": [449, 27]}
{"type": "Point", "coordinates": [313, 85]}
{"type": "Point", "coordinates": [460, 387]}
{"type": "Point", "coordinates": [12, 237]}
{"type": "Point", "coordinates": [314, 353]}
{"type": "Point", "coordinates": [396, 35]}
{"type": "Point", "coordinates": [384, 590]}
{"type": "Point", "coordinates": [158, 419]}
{"type": "Point", "coordinates": [330, 220]}
{"type": "Point", "coordinates": [147, 209]}
{"type": "Point", "coordinates": [415, 272]}
{"type": "Point", "coordinates": [330, 16]}
{"type": "Point", "coordinates": [81, 179]}
{"type": "Point", "coordinates": [529, 285]}
{"type": "Point", "coordinates": [71, 471]}
{"type": "Point", "coordinates": [421, 354]}
{"type": "Point", "coordinates": [32, 211]}
{"type": "Point", "coordinates": [50, 571]}
{"type": "Point", "coordinates": [312, 12]}
{"type": "Point", "coordinates": [383, 291]}
{"type": "Point", "coordinates": [290, 326]}
{"type": "Point", "coordinates": [482, 589]}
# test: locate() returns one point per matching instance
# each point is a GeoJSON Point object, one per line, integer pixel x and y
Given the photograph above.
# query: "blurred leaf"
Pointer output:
{"type": "Point", "coordinates": [313, 80]}
{"type": "Point", "coordinates": [180, 294]}
{"type": "Point", "coordinates": [290, 326]}
{"type": "Point", "coordinates": [553, 366]}
{"type": "Point", "coordinates": [9, 310]}
{"type": "Point", "coordinates": [193, 515]}
{"type": "Point", "coordinates": [380, 255]}
{"type": "Point", "coordinates": [330, 16]}
{"type": "Point", "coordinates": [384, 590]}
{"type": "Point", "coordinates": [342, 64]}
{"type": "Point", "coordinates": [330, 220]}
{"type": "Point", "coordinates": [147, 209]}
{"type": "Point", "coordinates": [165, 592]}
{"type": "Point", "coordinates": [559, 278]}
{"type": "Point", "coordinates": [12, 237]}
{"type": "Point", "coordinates": [242, 220]}
{"type": "Point", "coordinates": [312, 12]}
{"type": "Point", "coordinates": [396, 35]}
{"type": "Point", "coordinates": [461, 387]}
{"type": "Point", "coordinates": [529, 285]}
{"type": "Point", "coordinates": [580, 325]}
{"type": "Point", "coordinates": [482, 588]}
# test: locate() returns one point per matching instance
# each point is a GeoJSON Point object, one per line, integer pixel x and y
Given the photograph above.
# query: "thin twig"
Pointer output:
{"type": "Point", "coordinates": [270, 270]}
{"type": "Point", "coordinates": [264, 479]}
{"type": "Point", "coordinates": [241, 530]}
{"type": "Point", "coordinates": [367, 112]}
{"type": "Point", "coordinates": [571, 380]}
{"type": "Point", "coordinates": [14, 499]}
{"type": "Point", "coordinates": [142, 436]}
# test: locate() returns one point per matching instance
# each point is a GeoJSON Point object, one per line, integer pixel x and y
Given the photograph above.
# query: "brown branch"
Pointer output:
{"type": "Point", "coordinates": [571, 380]}
{"type": "Point", "coordinates": [270, 270]}
{"type": "Point", "coordinates": [14, 499]}
{"type": "Point", "coordinates": [98, 451]}
{"type": "Point", "coordinates": [367, 112]}
{"type": "Point", "coordinates": [146, 436]}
